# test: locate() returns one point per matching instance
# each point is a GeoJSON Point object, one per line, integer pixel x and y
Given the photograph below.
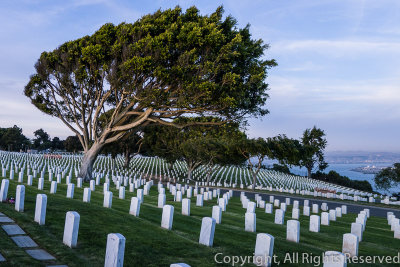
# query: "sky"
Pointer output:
{"type": "Point", "coordinates": [338, 61]}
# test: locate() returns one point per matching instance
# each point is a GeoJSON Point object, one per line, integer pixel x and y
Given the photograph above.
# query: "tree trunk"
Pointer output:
{"type": "Point", "coordinates": [189, 175]}
{"type": "Point", "coordinates": [309, 169]}
{"type": "Point", "coordinates": [209, 172]}
{"type": "Point", "coordinates": [254, 180]}
{"type": "Point", "coordinates": [127, 158]}
{"type": "Point", "coordinates": [88, 160]}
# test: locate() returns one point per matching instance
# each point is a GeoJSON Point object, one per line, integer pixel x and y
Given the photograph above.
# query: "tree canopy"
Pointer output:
{"type": "Point", "coordinates": [313, 145]}
{"type": "Point", "coordinates": [164, 66]}
{"type": "Point", "coordinates": [12, 139]}
{"type": "Point", "coordinates": [388, 177]}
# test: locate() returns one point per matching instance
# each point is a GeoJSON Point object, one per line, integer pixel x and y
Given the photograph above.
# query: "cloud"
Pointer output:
{"type": "Point", "coordinates": [336, 47]}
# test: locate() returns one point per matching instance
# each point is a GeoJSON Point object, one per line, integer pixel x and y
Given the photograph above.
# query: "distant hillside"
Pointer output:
{"type": "Point", "coordinates": [362, 157]}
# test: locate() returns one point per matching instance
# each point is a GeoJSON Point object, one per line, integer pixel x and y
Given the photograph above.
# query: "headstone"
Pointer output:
{"type": "Point", "coordinates": [122, 192]}
{"type": "Point", "coordinates": [186, 207]}
{"type": "Point", "coordinates": [264, 250]}
{"type": "Point", "coordinates": [293, 231]}
{"type": "Point", "coordinates": [314, 223]}
{"type": "Point", "coordinates": [251, 207]}
{"type": "Point", "coordinates": [332, 215]}
{"type": "Point", "coordinates": [325, 218]}
{"type": "Point", "coordinates": [167, 217]}
{"type": "Point", "coordinates": [222, 203]}
{"type": "Point", "coordinates": [53, 187]}
{"type": "Point", "coordinates": [338, 212]}
{"type": "Point", "coordinates": [161, 200]}
{"type": "Point", "coordinates": [20, 198]}
{"type": "Point", "coordinates": [350, 245]}
{"type": "Point", "coordinates": [295, 213]}
{"type": "Point", "coordinates": [30, 179]}
{"type": "Point", "coordinates": [344, 209]}
{"type": "Point", "coordinates": [279, 216]}
{"type": "Point", "coordinates": [199, 201]}
{"type": "Point", "coordinates": [217, 214]}
{"type": "Point", "coordinates": [92, 185]}
{"type": "Point", "coordinates": [315, 208]}
{"type": "Point", "coordinates": [71, 229]}
{"type": "Point", "coordinates": [268, 208]}
{"type": "Point", "coordinates": [135, 207]}
{"type": "Point", "coordinates": [70, 191]}
{"type": "Point", "coordinates": [250, 222]}
{"type": "Point", "coordinates": [40, 183]}
{"type": "Point", "coordinates": [86, 194]}
{"type": "Point", "coordinates": [334, 259]}
{"type": "Point", "coordinates": [4, 189]}
{"type": "Point", "coordinates": [107, 203]}
{"type": "Point", "coordinates": [79, 182]}
{"type": "Point", "coordinates": [115, 250]}
{"type": "Point", "coordinates": [40, 209]}
{"type": "Point", "coordinates": [357, 229]}
{"type": "Point", "coordinates": [306, 210]}
{"type": "Point", "coordinates": [207, 231]}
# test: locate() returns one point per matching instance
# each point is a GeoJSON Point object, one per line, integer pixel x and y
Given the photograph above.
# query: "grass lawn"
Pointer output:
{"type": "Point", "coordinates": [147, 244]}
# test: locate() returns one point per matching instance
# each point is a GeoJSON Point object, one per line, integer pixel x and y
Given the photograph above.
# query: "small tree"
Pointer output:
{"type": "Point", "coordinates": [41, 140]}
{"type": "Point", "coordinates": [166, 65]}
{"type": "Point", "coordinates": [312, 151]}
{"type": "Point", "coordinates": [257, 149]}
{"type": "Point", "coordinates": [388, 177]}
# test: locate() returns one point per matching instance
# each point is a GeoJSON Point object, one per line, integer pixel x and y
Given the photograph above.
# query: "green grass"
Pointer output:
{"type": "Point", "coordinates": [147, 244]}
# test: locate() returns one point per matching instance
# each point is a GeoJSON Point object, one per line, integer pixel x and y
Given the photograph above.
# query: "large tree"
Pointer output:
{"type": "Point", "coordinates": [165, 65]}
{"type": "Point", "coordinates": [313, 144]}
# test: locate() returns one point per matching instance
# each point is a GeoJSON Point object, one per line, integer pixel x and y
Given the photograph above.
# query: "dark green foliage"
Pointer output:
{"type": "Point", "coordinates": [313, 145]}
{"type": "Point", "coordinates": [165, 65]}
{"type": "Point", "coordinates": [42, 140]}
{"type": "Point", "coordinates": [57, 144]}
{"type": "Point", "coordinates": [335, 178]}
{"type": "Point", "coordinates": [12, 139]}
{"type": "Point", "coordinates": [72, 144]}
{"type": "Point", "coordinates": [388, 177]}
{"type": "Point", "coordinates": [281, 168]}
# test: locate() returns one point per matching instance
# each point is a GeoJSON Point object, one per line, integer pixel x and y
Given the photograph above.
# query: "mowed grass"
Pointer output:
{"type": "Point", "coordinates": [147, 244]}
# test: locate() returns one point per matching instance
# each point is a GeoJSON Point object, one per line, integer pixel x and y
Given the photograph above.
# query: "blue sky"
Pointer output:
{"type": "Point", "coordinates": [339, 61]}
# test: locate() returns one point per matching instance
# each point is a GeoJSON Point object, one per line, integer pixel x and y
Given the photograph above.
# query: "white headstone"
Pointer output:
{"type": "Point", "coordinates": [186, 206]}
{"type": "Point", "coordinates": [161, 200]}
{"type": "Point", "coordinates": [40, 183]}
{"type": "Point", "coordinates": [70, 191]}
{"type": "Point", "coordinates": [86, 194]}
{"type": "Point", "coordinates": [325, 218]}
{"type": "Point", "coordinates": [20, 198]}
{"type": "Point", "coordinates": [71, 229]}
{"type": "Point", "coordinates": [250, 222]}
{"type": "Point", "coordinates": [207, 231]}
{"type": "Point", "coordinates": [40, 209]}
{"type": "Point", "coordinates": [357, 229]}
{"type": "Point", "coordinates": [334, 259]}
{"type": "Point", "coordinates": [122, 192]}
{"type": "Point", "coordinates": [350, 245]}
{"type": "Point", "coordinates": [217, 214]}
{"type": "Point", "coordinates": [293, 231]}
{"type": "Point", "coordinates": [295, 213]}
{"type": "Point", "coordinates": [167, 217]}
{"type": "Point", "coordinates": [314, 223]}
{"type": "Point", "coordinates": [53, 187]}
{"type": "Point", "coordinates": [199, 201]}
{"type": "Point", "coordinates": [279, 216]}
{"type": "Point", "coordinates": [264, 250]}
{"type": "Point", "coordinates": [268, 208]}
{"type": "Point", "coordinates": [135, 207]}
{"type": "Point", "coordinates": [115, 250]}
{"type": "Point", "coordinates": [107, 203]}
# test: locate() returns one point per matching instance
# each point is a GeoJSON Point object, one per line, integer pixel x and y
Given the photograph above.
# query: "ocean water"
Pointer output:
{"type": "Point", "coordinates": [345, 169]}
